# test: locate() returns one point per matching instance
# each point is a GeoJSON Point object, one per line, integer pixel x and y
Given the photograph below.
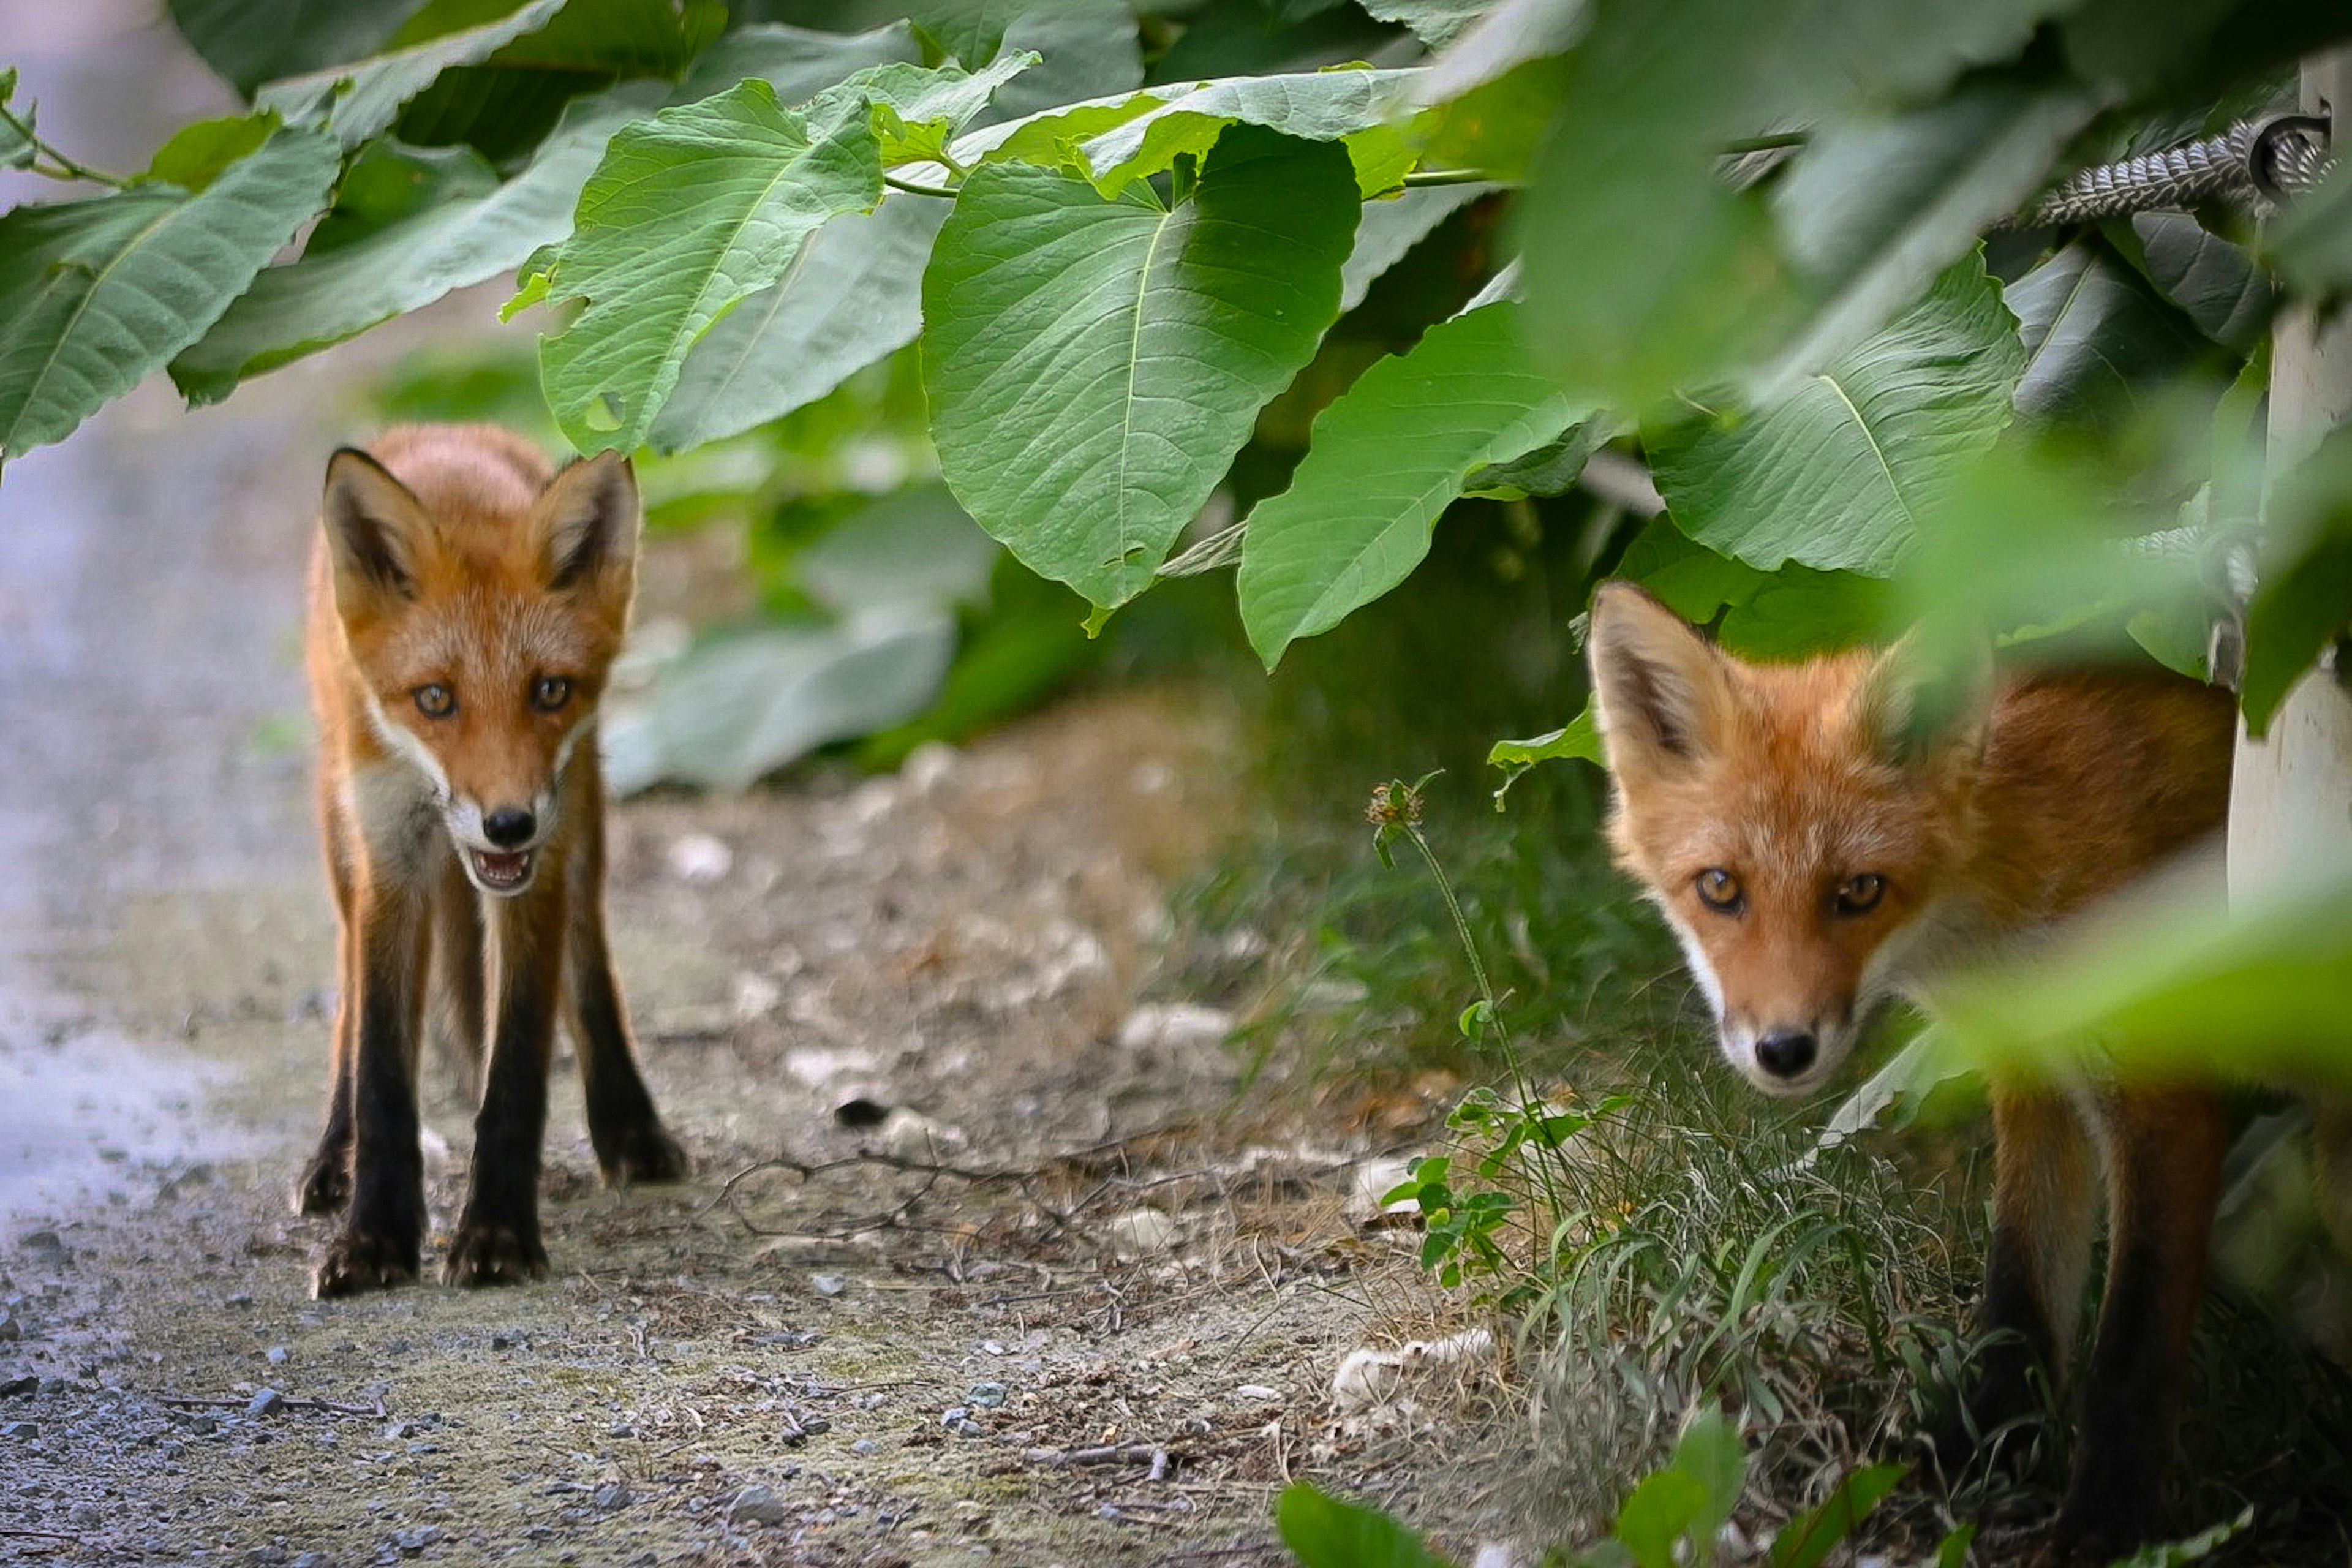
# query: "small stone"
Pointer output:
{"type": "Point", "coordinates": [397, 1346]}
{"type": "Point", "coordinates": [613, 1495]}
{"type": "Point", "coordinates": [24, 1431]}
{"type": "Point", "coordinates": [267, 1556]}
{"type": "Point", "coordinates": [84, 1516]}
{"type": "Point", "coordinates": [266, 1401]}
{"type": "Point", "coordinates": [238, 1299]}
{"type": "Point", "coordinates": [310, 1560]}
{"type": "Point", "coordinates": [699, 858]}
{"type": "Point", "coordinates": [413, 1543]}
{"type": "Point", "coordinates": [828, 1284]}
{"type": "Point", "coordinates": [866, 1446]}
{"type": "Point", "coordinates": [275, 1356]}
{"type": "Point", "coordinates": [1140, 1232]}
{"type": "Point", "coordinates": [620, 1429]}
{"type": "Point", "coordinates": [12, 1325]}
{"type": "Point", "coordinates": [987, 1395]}
{"type": "Point", "coordinates": [43, 1241]}
{"type": "Point", "coordinates": [757, 1505]}
{"type": "Point", "coordinates": [954, 1415]}
{"type": "Point", "coordinates": [1256, 1392]}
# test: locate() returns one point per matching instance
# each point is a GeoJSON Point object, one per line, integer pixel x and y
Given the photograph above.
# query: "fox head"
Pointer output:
{"type": "Point", "coordinates": [1799, 825]}
{"type": "Point", "coordinates": [483, 611]}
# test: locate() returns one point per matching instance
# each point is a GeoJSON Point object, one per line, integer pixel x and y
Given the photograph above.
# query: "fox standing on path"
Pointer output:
{"type": "Point", "coordinates": [1822, 835]}
{"type": "Point", "coordinates": [465, 607]}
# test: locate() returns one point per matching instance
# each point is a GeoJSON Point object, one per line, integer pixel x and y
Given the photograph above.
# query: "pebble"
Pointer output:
{"type": "Point", "coordinates": [276, 1356]}
{"type": "Point", "coordinates": [266, 1402]}
{"type": "Point", "coordinates": [699, 858]}
{"type": "Point", "coordinates": [84, 1516]}
{"type": "Point", "coordinates": [12, 1325]}
{"type": "Point", "coordinates": [987, 1395]}
{"type": "Point", "coordinates": [757, 1505]}
{"type": "Point", "coordinates": [397, 1346]}
{"type": "Point", "coordinates": [1138, 1231]}
{"type": "Point", "coordinates": [828, 1284]}
{"type": "Point", "coordinates": [1258, 1393]}
{"type": "Point", "coordinates": [614, 1494]}
{"type": "Point", "coordinates": [866, 1446]}
{"type": "Point", "coordinates": [22, 1430]}
{"type": "Point", "coordinates": [310, 1560]}
{"type": "Point", "coordinates": [413, 1543]}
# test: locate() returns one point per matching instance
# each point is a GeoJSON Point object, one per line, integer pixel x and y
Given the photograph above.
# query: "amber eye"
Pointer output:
{"type": "Point", "coordinates": [550, 692]}
{"type": "Point", "coordinates": [436, 700]}
{"type": "Point", "coordinates": [1860, 895]}
{"type": "Point", "coordinates": [1718, 889]}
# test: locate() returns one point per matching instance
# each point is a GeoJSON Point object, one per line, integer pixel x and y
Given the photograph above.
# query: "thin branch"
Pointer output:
{"type": "Point", "coordinates": [67, 169]}
{"type": "Point", "coordinates": [913, 189]}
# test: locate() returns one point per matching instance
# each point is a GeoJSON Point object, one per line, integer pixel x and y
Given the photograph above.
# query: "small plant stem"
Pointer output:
{"type": "Point", "coordinates": [65, 167]}
{"type": "Point", "coordinates": [914, 189]}
{"type": "Point", "coordinates": [1519, 1083]}
{"type": "Point", "coordinates": [1421, 177]}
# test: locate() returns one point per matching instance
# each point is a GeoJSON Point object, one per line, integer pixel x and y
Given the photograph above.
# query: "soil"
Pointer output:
{"type": "Point", "coordinates": [986, 1254]}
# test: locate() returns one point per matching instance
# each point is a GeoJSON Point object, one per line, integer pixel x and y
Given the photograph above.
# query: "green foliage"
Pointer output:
{"type": "Point", "coordinates": [1324, 1533]}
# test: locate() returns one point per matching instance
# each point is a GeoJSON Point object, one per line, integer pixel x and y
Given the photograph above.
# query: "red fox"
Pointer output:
{"type": "Point", "coordinates": [465, 607]}
{"type": "Point", "coordinates": [1822, 835]}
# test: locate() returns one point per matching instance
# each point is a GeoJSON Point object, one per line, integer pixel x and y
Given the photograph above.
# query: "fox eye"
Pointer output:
{"type": "Point", "coordinates": [1860, 895]}
{"type": "Point", "coordinates": [1718, 889]}
{"type": "Point", "coordinates": [436, 700]}
{"type": "Point", "coordinates": [550, 692]}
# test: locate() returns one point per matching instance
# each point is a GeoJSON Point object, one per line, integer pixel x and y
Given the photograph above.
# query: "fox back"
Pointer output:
{"type": "Point", "coordinates": [1820, 834]}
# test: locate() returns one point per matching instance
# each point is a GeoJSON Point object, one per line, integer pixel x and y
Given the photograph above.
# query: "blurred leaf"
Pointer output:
{"type": "Point", "coordinates": [374, 262]}
{"type": "Point", "coordinates": [2304, 599]}
{"type": "Point", "coordinates": [17, 131]}
{"type": "Point", "coordinates": [197, 154]}
{"type": "Point", "coordinates": [916, 544]}
{"type": "Point", "coordinates": [1087, 48]}
{"type": "Point", "coordinates": [1712, 1453]}
{"type": "Point", "coordinates": [1812, 1535]}
{"type": "Point", "coordinates": [103, 290]}
{"type": "Point", "coordinates": [1659, 1515]}
{"type": "Point", "coordinates": [2094, 337]}
{"type": "Point", "coordinates": [1876, 208]}
{"type": "Point", "coordinates": [1507, 36]}
{"type": "Point", "coordinates": [1093, 365]}
{"type": "Point", "coordinates": [2214, 282]}
{"type": "Point", "coordinates": [2172, 980]}
{"type": "Point", "coordinates": [1497, 126]}
{"type": "Point", "coordinates": [1387, 456]}
{"type": "Point", "coordinates": [2311, 243]}
{"type": "Point", "coordinates": [1833, 474]}
{"type": "Point", "coordinates": [1324, 1533]}
{"type": "Point", "coordinates": [1549, 469]}
{"type": "Point", "coordinates": [1393, 225]}
{"type": "Point", "coordinates": [357, 101]}
{"type": "Point", "coordinates": [852, 296]}
{"type": "Point", "coordinates": [1014, 654]}
{"type": "Point", "coordinates": [249, 42]}
{"type": "Point", "coordinates": [1793, 613]}
{"type": "Point", "coordinates": [733, 711]}
{"type": "Point", "coordinates": [1436, 22]}
{"type": "Point", "coordinates": [797, 63]}
{"type": "Point", "coordinates": [2192, 1548]}
{"type": "Point", "coordinates": [1579, 740]}
{"type": "Point", "coordinates": [1889, 1100]}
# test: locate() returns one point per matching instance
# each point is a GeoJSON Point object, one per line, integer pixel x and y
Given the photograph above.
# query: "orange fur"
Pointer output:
{"type": "Point", "coordinates": [1820, 835]}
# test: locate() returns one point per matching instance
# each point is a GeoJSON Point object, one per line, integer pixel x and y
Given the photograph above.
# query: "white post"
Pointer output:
{"type": "Point", "coordinates": [2291, 793]}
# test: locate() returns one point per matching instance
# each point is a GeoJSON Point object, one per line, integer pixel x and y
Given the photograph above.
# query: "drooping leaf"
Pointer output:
{"type": "Point", "coordinates": [852, 296]}
{"type": "Point", "coordinates": [1549, 469]}
{"type": "Point", "coordinates": [1812, 1535]}
{"type": "Point", "coordinates": [1093, 365]}
{"type": "Point", "coordinates": [1388, 456]}
{"type": "Point", "coordinates": [1085, 48]}
{"type": "Point", "coordinates": [2215, 283]}
{"type": "Point", "coordinates": [104, 291]}
{"type": "Point", "coordinates": [1579, 739]}
{"type": "Point", "coordinates": [1324, 1533]}
{"type": "Point", "coordinates": [388, 262]}
{"type": "Point", "coordinates": [250, 42]}
{"type": "Point", "coordinates": [1834, 472]}
{"type": "Point", "coordinates": [2094, 337]}
{"type": "Point", "coordinates": [1877, 207]}
{"type": "Point", "coordinates": [1389, 229]}
{"type": "Point", "coordinates": [1436, 22]}
{"type": "Point", "coordinates": [357, 101]}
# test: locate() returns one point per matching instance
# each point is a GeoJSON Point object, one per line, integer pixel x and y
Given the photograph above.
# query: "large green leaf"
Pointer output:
{"type": "Point", "coordinates": [104, 291]}
{"type": "Point", "coordinates": [1389, 229]}
{"type": "Point", "coordinates": [1877, 207]}
{"type": "Point", "coordinates": [1093, 365]}
{"type": "Point", "coordinates": [2094, 337]}
{"type": "Point", "coordinates": [697, 209]}
{"type": "Point", "coordinates": [410, 225]}
{"type": "Point", "coordinates": [357, 101]}
{"type": "Point", "coordinates": [1835, 471]}
{"type": "Point", "coordinates": [1792, 613]}
{"type": "Point", "coordinates": [2215, 283]}
{"type": "Point", "coordinates": [1388, 456]}
{"type": "Point", "coordinates": [1120, 140]}
{"type": "Point", "coordinates": [853, 295]}
{"type": "Point", "coordinates": [253, 41]}
{"type": "Point", "coordinates": [1324, 1533]}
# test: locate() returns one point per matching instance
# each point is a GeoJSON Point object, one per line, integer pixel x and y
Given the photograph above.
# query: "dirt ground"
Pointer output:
{"type": "Point", "coordinates": [984, 1256]}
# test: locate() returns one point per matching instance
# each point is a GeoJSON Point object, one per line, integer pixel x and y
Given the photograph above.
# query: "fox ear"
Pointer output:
{"type": "Point", "coordinates": [587, 521]}
{"type": "Point", "coordinates": [1661, 688]}
{"type": "Point", "coordinates": [374, 526]}
{"type": "Point", "coordinates": [1925, 700]}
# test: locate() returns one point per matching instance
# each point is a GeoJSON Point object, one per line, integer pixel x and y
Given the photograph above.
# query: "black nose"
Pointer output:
{"type": "Point", "coordinates": [509, 826]}
{"type": "Point", "coordinates": [1786, 1053]}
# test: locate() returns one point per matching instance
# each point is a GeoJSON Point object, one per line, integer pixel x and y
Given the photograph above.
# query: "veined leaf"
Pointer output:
{"type": "Point", "coordinates": [1121, 139]}
{"type": "Point", "coordinates": [2214, 282]}
{"type": "Point", "coordinates": [106, 289]}
{"type": "Point", "coordinates": [250, 42]}
{"type": "Point", "coordinates": [357, 101]}
{"type": "Point", "coordinates": [2093, 334]}
{"type": "Point", "coordinates": [1793, 613]}
{"type": "Point", "coordinates": [1093, 365]}
{"type": "Point", "coordinates": [689, 213]}
{"type": "Point", "coordinates": [853, 295]}
{"type": "Point", "coordinates": [1388, 456]}
{"type": "Point", "coordinates": [1835, 472]}
{"type": "Point", "coordinates": [1324, 1533]}
{"type": "Point", "coordinates": [1436, 22]}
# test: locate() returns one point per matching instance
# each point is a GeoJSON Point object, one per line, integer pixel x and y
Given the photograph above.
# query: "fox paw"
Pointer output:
{"type": "Point", "coordinates": [363, 1260]}
{"type": "Point", "coordinates": [486, 1254]}
{"type": "Point", "coordinates": [645, 1152]}
{"type": "Point", "coordinates": [326, 1184]}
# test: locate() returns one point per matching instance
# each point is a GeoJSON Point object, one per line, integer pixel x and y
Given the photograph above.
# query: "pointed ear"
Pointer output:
{"type": "Point", "coordinates": [586, 520]}
{"type": "Point", "coordinates": [1662, 689]}
{"type": "Point", "coordinates": [375, 531]}
{"type": "Point", "coordinates": [1927, 699]}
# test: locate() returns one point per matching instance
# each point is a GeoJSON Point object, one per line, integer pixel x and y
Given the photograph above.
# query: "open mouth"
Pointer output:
{"type": "Point", "coordinates": [497, 872]}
